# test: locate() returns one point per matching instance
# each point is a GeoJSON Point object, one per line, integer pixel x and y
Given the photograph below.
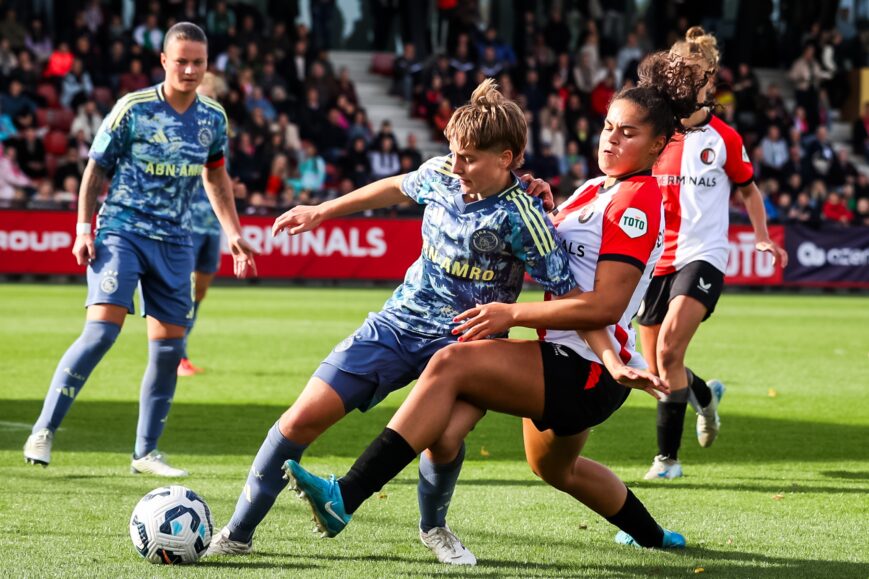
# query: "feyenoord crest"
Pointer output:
{"type": "Point", "coordinates": [485, 241]}
{"type": "Point", "coordinates": [586, 213]}
{"type": "Point", "coordinates": [204, 136]}
{"type": "Point", "coordinates": [707, 155]}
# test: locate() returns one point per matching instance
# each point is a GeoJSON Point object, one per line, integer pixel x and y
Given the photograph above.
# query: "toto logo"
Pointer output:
{"type": "Point", "coordinates": [810, 255]}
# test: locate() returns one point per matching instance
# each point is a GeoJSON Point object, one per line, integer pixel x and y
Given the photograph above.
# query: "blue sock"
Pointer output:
{"type": "Point", "coordinates": [264, 483]}
{"type": "Point", "coordinates": [190, 328]}
{"type": "Point", "coordinates": [158, 387]}
{"type": "Point", "coordinates": [435, 490]}
{"type": "Point", "coordinates": [73, 370]}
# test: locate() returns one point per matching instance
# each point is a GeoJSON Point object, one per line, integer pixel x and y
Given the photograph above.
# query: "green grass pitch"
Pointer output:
{"type": "Point", "coordinates": [783, 493]}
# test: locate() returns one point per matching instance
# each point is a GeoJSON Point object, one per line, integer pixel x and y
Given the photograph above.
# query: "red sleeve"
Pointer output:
{"type": "Point", "coordinates": [737, 165]}
{"type": "Point", "coordinates": [631, 222]}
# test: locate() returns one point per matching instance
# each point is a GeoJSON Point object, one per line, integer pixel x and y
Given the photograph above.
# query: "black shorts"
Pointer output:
{"type": "Point", "coordinates": [699, 280]}
{"type": "Point", "coordinates": [579, 393]}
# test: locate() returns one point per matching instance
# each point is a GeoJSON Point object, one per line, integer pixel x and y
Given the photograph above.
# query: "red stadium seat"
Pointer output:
{"type": "Point", "coordinates": [382, 63]}
{"type": "Point", "coordinates": [49, 94]}
{"type": "Point", "coordinates": [56, 143]}
{"type": "Point", "coordinates": [60, 119]}
{"type": "Point", "coordinates": [42, 117]}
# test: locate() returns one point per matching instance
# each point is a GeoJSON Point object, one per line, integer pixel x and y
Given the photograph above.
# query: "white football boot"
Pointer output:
{"type": "Point", "coordinates": [664, 468]}
{"type": "Point", "coordinates": [708, 421]}
{"type": "Point", "coordinates": [37, 449]}
{"type": "Point", "coordinates": [154, 463]}
{"type": "Point", "coordinates": [447, 547]}
{"type": "Point", "coordinates": [221, 544]}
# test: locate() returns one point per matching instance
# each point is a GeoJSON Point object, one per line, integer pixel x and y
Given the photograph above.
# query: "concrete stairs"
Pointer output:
{"type": "Point", "coordinates": [374, 97]}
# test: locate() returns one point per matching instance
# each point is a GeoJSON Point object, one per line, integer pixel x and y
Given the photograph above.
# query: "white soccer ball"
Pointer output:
{"type": "Point", "coordinates": [171, 525]}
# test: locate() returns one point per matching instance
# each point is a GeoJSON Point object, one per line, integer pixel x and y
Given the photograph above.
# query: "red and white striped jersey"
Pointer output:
{"type": "Point", "coordinates": [623, 222]}
{"type": "Point", "coordinates": [697, 172]}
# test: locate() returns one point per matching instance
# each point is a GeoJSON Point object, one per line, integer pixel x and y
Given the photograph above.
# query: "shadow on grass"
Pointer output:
{"type": "Point", "coordinates": [220, 429]}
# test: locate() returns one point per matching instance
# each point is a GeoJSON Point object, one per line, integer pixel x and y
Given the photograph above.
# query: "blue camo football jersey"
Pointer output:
{"type": "Point", "coordinates": [472, 253]}
{"type": "Point", "coordinates": [203, 221]}
{"type": "Point", "coordinates": [157, 156]}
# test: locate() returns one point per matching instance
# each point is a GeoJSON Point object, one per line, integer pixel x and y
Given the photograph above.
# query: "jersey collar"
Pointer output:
{"type": "Point", "coordinates": [643, 173]}
{"type": "Point", "coordinates": [490, 200]}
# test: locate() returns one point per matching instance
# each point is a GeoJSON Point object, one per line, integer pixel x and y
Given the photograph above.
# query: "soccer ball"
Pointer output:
{"type": "Point", "coordinates": [171, 525]}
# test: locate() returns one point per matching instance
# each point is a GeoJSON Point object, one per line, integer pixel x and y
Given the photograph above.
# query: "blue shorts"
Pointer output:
{"type": "Point", "coordinates": [165, 271]}
{"type": "Point", "coordinates": [206, 252]}
{"type": "Point", "coordinates": [375, 360]}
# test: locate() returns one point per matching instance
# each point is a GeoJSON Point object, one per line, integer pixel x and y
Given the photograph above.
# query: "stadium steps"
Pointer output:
{"type": "Point", "coordinates": [373, 93]}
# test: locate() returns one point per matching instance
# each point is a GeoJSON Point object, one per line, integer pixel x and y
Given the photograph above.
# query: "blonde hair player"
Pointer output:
{"type": "Point", "coordinates": [481, 233]}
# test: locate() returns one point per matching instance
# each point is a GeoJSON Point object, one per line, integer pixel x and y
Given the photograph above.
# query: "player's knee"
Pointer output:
{"type": "Point", "coordinates": [670, 355]}
{"type": "Point", "coordinates": [447, 361]}
{"type": "Point", "coordinates": [100, 334]}
{"type": "Point", "coordinates": [446, 448]}
{"type": "Point", "coordinates": [555, 476]}
{"type": "Point", "coordinates": [302, 425]}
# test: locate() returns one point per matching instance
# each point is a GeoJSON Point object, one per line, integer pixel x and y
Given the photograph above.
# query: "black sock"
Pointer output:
{"type": "Point", "coordinates": [698, 386]}
{"type": "Point", "coordinates": [635, 520]}
{"type": "Point", "coordinates": [671, 420]}
{"type": "Point", "coordinates": [381, 462]}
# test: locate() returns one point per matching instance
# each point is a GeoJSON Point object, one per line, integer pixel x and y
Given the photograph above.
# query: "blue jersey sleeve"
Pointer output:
{"type": "Point", "coordinates": [112, 138]}
{"type": "Point", "coordinates": [430, 181]}
{"type": "Point", "coordinates": [535, 242]}
{"type": "Point", "coordinates": [218, 150]}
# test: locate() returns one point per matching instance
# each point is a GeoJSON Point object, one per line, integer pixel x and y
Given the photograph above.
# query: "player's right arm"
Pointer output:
{"type": "Point", "coordinates": [383, 193]}
{"type": "Point", "coordinates": [93, 182]}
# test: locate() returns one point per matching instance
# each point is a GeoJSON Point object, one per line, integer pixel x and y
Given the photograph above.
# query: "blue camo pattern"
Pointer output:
{"type": "Point", "coordinates": [157, 157]}
{"type": "Point", "coordinates": [473, 254]}
{"type": "Point", "coordinates": [203, 220]}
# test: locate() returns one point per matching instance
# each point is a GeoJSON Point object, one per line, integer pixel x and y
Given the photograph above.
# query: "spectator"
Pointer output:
{"type": "Point", "coordinates": [546, 164]}
{"type": "Point", "coordinates": [12, 30]}
{"type": "Point", "coordinates": [860, 134]}
{"type": "Point", "coordinates": [775, 152]}
{"type": "Point", "coordinates": [490, 66]}
{"type": "Point", "coordinates": [602, 95]}
{"type": "Point", "coordinates": [333, 140]}
{"type": "Point", "coordinates": [503, 52]}
{"type": "Point", "coordinates": [861, 213]}
{"type": "Point", "coordinates": [819, 155]}
{"type": "Point", "coordinates": [356, 165]}
{"type": "Point", "coordinates": [384, 159]}
{"type": "Point", "coordinates": [38, 42]}
{"type": "Point", "coordinates": [289, 132]}
{"type": "Point", "coordinates": [835, 211]}
{"type": "Point", "coordinates": [44, 197]}
{"type": "Point", "coordinates": [148, 35]}
{"type": "Point", "coordinates": [553, 134]}
{"type": "Point", "coordinates": [247, 165]}
{"type": "Point", "coordinates": [460, 91]}
{"type": "Point", "coordinates": [30, 154]}
{"type": "Point", "coordinates": [843, 170]}
{"type": "Point", "coordinates": [257, 100]}
{"type": "Point", "coordinates": [783, 207]}
{"type": "Point", "coordinates": [585, 72]}
{"type": "Point", "coordinates": [805, 211]}
{"type": "Point", "coordinates": [278, 176]}
{"type": "Point", "coordinates": [27, 71]}
{"type": "Point", "coordinates": [412, 150]}
{"type": "Point", "coordinates": [59, 63]}
{"type": "Point", "coordinates": [806, 74]}
{"type": "Point", "coordinates": [77, 86]}
{"type": "Point", "coordinates": [312, 170]}
{"type": "Point", "coordinates": [13, 180]}
{"type": "Point", "coordinates": [7, 127]}
{"type": "Point", "coordinates": [71, 165]}
{"type": "Point", "coordinates": [134, 79]}
{"type": "Point", "coordinates": [258, 127]}
{"type": "Point", "coordinates": [630, 54]}
{"type": "Point", "coordinates": [16, 104]}
{"type": "Point", "coordinates": [68, 194]}
{"type": "Point", "coordinates": [345, 86]}
{"type": "Point", "coordinates": [8, 60]}
{"type": "Point", "coordinates": [360, 127]}
{"type": "Point", "coordinates": [406, 72]}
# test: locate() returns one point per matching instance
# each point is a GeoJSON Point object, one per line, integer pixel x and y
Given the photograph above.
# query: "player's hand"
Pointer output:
{"type": "Point", "coordinates": [83, 249]}
{"type": "Point", "coordinates": [243, 263]}
{"type": "Point", "coordinates": [298, 220]}
{"type": "Point", "coordinates": [539, 188]}
{"type": "Point", "coordinates": [483, 320]}
{"type": "Point", "coordinates": [640, 380]}
{"type": "Point", "coordinates": [779, 255]}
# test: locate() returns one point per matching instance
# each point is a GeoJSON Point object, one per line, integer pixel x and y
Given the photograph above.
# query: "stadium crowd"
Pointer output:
{"type": "Point", "coordinates": [300, 135]}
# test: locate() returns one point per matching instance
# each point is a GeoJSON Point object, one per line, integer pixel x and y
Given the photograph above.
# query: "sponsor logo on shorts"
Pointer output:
{"type": "Point", "coordinates": [704, 286]}
{"type": "Point", "coordinates": [634, 222]}
{"type": "Point", "coordinates": [486, 241]}
{"type": "Point", "coordinates": [344, 344]}
{"type": "Point", "coordinates": [707, 155]}
{"type": "Point", "coordinates": [109, 283]}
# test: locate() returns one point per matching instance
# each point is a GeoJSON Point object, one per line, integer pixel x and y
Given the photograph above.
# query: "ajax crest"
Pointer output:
{"type": "Point", "coordinates": [485, 241]}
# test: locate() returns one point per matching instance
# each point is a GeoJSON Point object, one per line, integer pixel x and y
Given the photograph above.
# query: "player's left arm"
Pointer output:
{"type": "Point", "coordinates": [753, 201]}
{"type": "Point", "coordinates": [739, 170]}
{"type": "Point", "coordinates": [218, 187]}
